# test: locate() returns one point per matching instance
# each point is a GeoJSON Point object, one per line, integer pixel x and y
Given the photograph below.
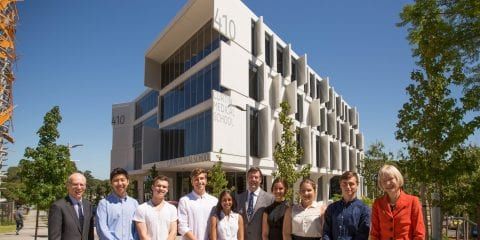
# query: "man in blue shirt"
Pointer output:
{"type": "Point", "coordinates": [114, 219]}
{"type": "Point", "coordinates": [348, 218]}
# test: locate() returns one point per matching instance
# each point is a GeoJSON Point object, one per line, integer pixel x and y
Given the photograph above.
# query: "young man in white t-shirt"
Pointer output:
{"type": "Point", "coordinates": [157, 219]}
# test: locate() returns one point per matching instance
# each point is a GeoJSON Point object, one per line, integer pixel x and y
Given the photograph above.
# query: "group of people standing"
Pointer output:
{"type": "Point", "coordinates": [251, 215]}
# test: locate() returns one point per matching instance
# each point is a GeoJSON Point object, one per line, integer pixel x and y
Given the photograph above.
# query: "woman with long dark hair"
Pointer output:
{"type": "Point", "coordinates": [225, 223]}
{"type": "Point", "coordinates": [272, 224]}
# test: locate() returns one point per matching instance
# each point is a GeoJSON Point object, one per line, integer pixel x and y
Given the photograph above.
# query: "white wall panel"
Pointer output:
{"type": "Point", "coordinates": [345, 158]}
{"type": "Point", "coordinates": [324, 91]}
{"type": "Point", "coordinates": [315, 115]}
{"type": "Point", "coordinates": [260, 38]}
{"type": "Point", "coordinates": [302, 70]}
{"type": "Point", "coordinates": [335, 155]}
{"type": "Point", "coordinates": [291, 96]}
{"type": "Point", "coordinates": [324, 152]}
{"type": "Point", "coordinates": [331, 99]}
{"type": "Point", "coordinates": [234, 67]}
{"type": "Point", "coordinates": [229, 126]}
{"type": "Point", "coordinates": [306, 145]}
{"type": "Point", "coordinates": [353, 160]}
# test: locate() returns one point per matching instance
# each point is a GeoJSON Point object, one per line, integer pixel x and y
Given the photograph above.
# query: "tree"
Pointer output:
{"type": "Point", "coordinates": [46, 167]}
{"type": "Point", "coordinates": [217, 180]}
{"type": "Point", "coordinates": [152, 174]}
{"type": "Point", "coordinates": [288, 153]}
{"type": "Point", "coordinates": [375, 158]}
{"type": "Point", "coordinates": [434, 123]}
{"type": "Point", "coordinates": [14, 187]}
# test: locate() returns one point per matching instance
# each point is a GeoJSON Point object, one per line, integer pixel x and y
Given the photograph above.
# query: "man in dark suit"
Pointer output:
{"type": "Point", "coordinates": [252, 203]}
{"type": "Point", "coordinates": [71, 218]}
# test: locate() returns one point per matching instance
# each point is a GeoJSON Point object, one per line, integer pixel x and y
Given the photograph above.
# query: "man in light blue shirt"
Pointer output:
{"type": "Point", "coordinates": [114, 217]}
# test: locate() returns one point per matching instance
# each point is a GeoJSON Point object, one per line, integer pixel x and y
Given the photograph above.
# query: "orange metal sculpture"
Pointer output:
{"type": "Point", "coordinates": [8, 21]}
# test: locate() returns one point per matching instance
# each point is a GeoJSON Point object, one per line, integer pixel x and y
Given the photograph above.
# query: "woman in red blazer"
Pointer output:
{"type": "Point", "coordinates": [396, 215]}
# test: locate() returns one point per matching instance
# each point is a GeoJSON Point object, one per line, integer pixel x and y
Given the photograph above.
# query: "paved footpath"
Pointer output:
{"type": "Point", "coordinates": [28, 231]}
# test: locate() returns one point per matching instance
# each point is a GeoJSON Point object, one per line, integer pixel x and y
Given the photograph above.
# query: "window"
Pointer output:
{"type": "Point", "coordinates": [253, 82]}
{"type": "Point", "coordinates": [254, 36]}
{"type": "Point", "coordinates": [138, 138]}
{"type": "Point", "coordinates": [200, 45]}
{"type": "Point", "coordinates": [146, 103]}
{"type": "Point", "coordinates": [193, 91]}
{"type": "Point", "coordinates": [299, 114]}
{"type": "Point", "coordinates": [188, 137]}
{"type": "Point", "coordinates": [319, 90]}
{"type": "Point", "coordinates": [317, 151]}
{"type": "Point", "coordinates": [312, 86]}
{"type": "Point", "coordinates": [254, 132]}
{"type": "Point", "coordinates": [294, 70]}
{"type": "Point", "coordinates": [280, 60]}
{"type": "Point", "coordinates": [268, 52]}
{"type": "Point", "coordinates": [137, 146]}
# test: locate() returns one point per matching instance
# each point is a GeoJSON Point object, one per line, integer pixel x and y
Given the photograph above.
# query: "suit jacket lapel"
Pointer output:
{"type": "Point", "coordinates": [72, 211]}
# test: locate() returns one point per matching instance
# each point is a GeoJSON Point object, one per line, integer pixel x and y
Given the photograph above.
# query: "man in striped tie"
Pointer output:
{"type": "Point", "coordinates": [71, 217]}
{"type": "Point", "coordinates": [252, 203]}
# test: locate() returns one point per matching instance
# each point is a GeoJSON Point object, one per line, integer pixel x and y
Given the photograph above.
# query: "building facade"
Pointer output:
{"type": "Point", "coordinates": [216, 76]}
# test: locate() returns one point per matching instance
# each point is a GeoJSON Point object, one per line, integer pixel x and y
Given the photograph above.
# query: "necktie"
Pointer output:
{"type": "Point", "coordinates": [250, 205]}
{"type": "Point", "coordinates": [80, 215]}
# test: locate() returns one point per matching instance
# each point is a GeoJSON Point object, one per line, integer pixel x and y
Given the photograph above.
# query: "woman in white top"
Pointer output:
{"type": "Point", "coordinates": [304, 221]}
{"type": "Point", "coordinates": [226, 224]}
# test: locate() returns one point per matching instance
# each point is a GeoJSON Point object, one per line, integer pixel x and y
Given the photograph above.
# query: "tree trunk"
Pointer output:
{"type": "Point", "coordinates": [478, 220]}
{"type": "Point", "coordinates": [36, 223]}
{"type": "Point", "coordinates": [424, 209]}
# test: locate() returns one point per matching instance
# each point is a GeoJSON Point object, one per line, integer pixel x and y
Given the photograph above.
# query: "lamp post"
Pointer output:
{"type": "Point", "coordinates": [247, 135]}
{"type": "Point", "coordinates": [73, 146]}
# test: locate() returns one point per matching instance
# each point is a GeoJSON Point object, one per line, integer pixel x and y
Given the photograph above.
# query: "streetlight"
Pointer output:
{"type": "Point", "coordinates": [73, 146]}
{"type": "Point", "coordinates": [247, 134]}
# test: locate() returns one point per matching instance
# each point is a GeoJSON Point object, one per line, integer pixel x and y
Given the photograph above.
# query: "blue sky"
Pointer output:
{"type": "Point", "coordinates": [86, 55]}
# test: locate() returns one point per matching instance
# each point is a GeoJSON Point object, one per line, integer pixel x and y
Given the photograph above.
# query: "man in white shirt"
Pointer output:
{"type": "Point", "coordinates": [195, 208]}
{"type": "Point", "coordinates": [252, 203]}
{"type": "Point", "coordinates": [157, 219]}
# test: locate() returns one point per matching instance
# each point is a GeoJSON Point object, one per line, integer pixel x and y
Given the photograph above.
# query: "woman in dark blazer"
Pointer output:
{"type": "Point", "coordinates": [396, 215]}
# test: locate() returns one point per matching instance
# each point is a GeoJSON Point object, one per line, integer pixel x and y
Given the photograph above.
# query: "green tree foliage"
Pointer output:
{"type": "Point", "coordinates": [442, 110]}
{"type": "Point", "coordinates": [152, 174]}
{"type": "Point", "coordinates": [217, 179]}
{"type": "Point", "coordinates": [14, 187]}
{"type": "Point", "coordinates": [375, 158]}
{"type": "Point", "coordinates": [133, 189]}
{"type": "Point", "coordinates": [92, 192]}
{"type": "Point", "coordinates": [45, 169]}
{"type": "Point", "coordinates": [288, 153]}
{"type": "Point", "coordinates": [461, 195]}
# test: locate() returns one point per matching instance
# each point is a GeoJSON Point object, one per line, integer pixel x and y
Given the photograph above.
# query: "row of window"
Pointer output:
{"type": "Point", "coordinates": [200, 45]}
{"type": "Point", "coordinates": [189, 93]}
{"type": "Point", "coordinates": [188, 137]}
{"type": "Point", "coordinates": [146, 103]}
{"type": "Point", "coordinates": [310, 89]}
{"type": "Point", "coordinates": [137, 139]}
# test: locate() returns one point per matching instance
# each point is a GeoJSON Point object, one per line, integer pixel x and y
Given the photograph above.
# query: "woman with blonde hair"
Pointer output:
{"type": "Point", "coordinates": [304, 221]}
{"type": "Point", "coordinates": [395, 215]}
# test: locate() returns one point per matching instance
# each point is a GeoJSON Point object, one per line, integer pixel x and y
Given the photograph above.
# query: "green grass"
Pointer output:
{"type": "Point", "coordinates": [7, 228]}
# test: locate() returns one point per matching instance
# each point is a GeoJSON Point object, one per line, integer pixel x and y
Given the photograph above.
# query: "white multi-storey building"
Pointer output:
{"type": "Point", "coordinates": [215, 58]}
